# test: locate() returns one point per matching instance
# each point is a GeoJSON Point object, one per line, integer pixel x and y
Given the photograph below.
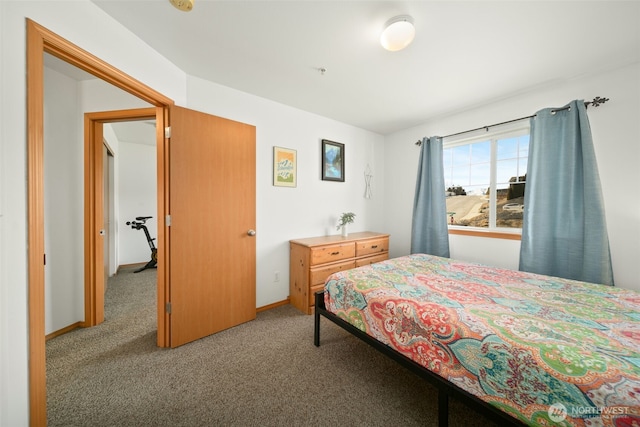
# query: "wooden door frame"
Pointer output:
{"type": "Point", "coordinates": [39, 41]}
{"type": "Point", "coordinates": [94, 285]}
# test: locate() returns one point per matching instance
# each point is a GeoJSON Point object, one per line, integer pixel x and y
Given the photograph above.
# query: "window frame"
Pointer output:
{"type": "Point", "coordinates": [517, 129]}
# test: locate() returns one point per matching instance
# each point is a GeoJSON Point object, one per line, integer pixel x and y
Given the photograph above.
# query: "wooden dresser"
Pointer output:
{"type": "Point", "coordinates": [313, 259]}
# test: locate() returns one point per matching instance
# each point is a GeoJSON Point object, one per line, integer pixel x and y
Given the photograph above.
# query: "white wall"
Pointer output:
{"type": "Point", "coordinates": [137, 194]}
{"type": "Point", "coordinates": [64, 210]}
{"type": "Point", "coordinates": [616, 134]}
{"type": "Point", "coordinates": [76, 21]}
{"type": "Point", "coordinates": [97, 95]}
{"type": "Point", "coordinates": [313, 207]}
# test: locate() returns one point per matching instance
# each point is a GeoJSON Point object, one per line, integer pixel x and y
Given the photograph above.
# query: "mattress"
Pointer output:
{"type": "Point", "coordinates": [546, 350]}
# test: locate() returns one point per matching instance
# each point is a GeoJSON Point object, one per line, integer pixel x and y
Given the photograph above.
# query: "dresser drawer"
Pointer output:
{"type": "Point", "coordinates": [372, 259]}
{"type": "Point", "coordinates": [372, 246]}
{"type": "Point", "coordinates": [313, 259]}
{"type": "Point", "coordinates": [318, 275]}
{"type": "Point", "coordinates": [332, 253]}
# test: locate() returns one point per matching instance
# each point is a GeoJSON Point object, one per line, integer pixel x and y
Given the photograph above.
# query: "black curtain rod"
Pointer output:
{"type": "Point", "coordinates": [597, 101]}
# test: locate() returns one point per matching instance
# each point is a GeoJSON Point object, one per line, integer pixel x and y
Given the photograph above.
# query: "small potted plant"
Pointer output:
{"type": "Point", "coordinates": [345, 219]}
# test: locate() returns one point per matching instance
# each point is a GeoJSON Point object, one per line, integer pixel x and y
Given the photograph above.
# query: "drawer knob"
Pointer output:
{"type": "Point", "coordinates": [335, 253]}
{"type": "Point", "coordinates": [374, 246]}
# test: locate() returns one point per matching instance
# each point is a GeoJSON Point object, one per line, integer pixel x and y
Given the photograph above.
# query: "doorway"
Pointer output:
{"type": "Point", "coordinates": [95, 194]}
{"type": "Point", "coordinates": [40, 41]}
{"type": "Point", "coordinates": [232, 252]}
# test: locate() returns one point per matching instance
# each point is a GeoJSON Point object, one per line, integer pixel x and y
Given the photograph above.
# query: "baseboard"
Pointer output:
{"type": "Point", "coordinates": [274, 305]}
{"type": "Point", "coordinates": [63, 330]}
{"type": "Point", "coordinates": [136, 264]}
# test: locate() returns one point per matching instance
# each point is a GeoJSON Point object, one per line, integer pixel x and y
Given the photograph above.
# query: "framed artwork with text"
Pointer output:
{"type": "Point", "coordinates": [284, 167]}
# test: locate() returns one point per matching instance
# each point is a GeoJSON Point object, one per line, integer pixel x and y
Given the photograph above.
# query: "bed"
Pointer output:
{"type": "Point", "coordinates": [522, 348]}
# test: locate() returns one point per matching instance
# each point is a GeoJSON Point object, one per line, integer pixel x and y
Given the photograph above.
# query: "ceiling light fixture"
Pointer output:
{"type": "Point", "coordinates": [183, 5]}
{"type": "Point", "coordinates": [398, 33]}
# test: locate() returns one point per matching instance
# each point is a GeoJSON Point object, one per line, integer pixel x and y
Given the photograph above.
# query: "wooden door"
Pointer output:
{"type": "Point", "coordinates": [212, 176]}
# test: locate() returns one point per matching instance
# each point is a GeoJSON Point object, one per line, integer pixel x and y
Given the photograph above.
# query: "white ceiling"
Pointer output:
{"type": "Point", "coordinates": [465, 54]}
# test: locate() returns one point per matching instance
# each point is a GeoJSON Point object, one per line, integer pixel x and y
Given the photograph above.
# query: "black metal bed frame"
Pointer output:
{"type": "Point", "coordinates": [445, 388]}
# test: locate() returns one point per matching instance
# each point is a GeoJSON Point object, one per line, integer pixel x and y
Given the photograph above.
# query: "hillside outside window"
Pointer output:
{"type": "Point", "coordinates": [485, 180]}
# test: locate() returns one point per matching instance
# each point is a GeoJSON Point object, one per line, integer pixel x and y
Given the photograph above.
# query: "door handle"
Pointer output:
{"type": "Point", "coordinates": [251, 232]}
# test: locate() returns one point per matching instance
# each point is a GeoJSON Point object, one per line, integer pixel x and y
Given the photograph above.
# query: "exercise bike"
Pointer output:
{"type": "Point", "coordinates": [139, 224]}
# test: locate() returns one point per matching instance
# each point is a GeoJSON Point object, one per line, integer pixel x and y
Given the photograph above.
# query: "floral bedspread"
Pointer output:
{"type": "Point", "coordinates": [546, 350]}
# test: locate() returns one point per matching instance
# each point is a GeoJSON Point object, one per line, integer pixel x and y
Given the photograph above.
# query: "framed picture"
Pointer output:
{"type": "Point", "coordinates": [284, 167]}
{"type": "Point", "coordinates": [332, 161]}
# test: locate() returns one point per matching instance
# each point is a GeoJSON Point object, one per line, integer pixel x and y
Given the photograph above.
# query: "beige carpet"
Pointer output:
{"type": "Point", "coordinates": [263, 373]}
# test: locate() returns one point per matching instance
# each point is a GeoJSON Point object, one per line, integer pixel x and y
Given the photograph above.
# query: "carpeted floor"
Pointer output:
{"type": "Point", "coordinates": [263, 373]}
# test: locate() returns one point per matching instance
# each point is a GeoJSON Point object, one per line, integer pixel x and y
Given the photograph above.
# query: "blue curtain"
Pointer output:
{"type": "Point", "coordinates": [429, 232]}
{"type": "Point", "coordinates": [564, 231]}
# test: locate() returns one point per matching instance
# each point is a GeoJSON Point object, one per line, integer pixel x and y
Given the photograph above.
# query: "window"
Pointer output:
{"type": "Point", "coordinates": [485, 180]}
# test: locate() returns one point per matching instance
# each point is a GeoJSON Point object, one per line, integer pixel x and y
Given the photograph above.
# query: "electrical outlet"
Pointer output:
{"type": "Point", "coordinates": [276, 276]}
